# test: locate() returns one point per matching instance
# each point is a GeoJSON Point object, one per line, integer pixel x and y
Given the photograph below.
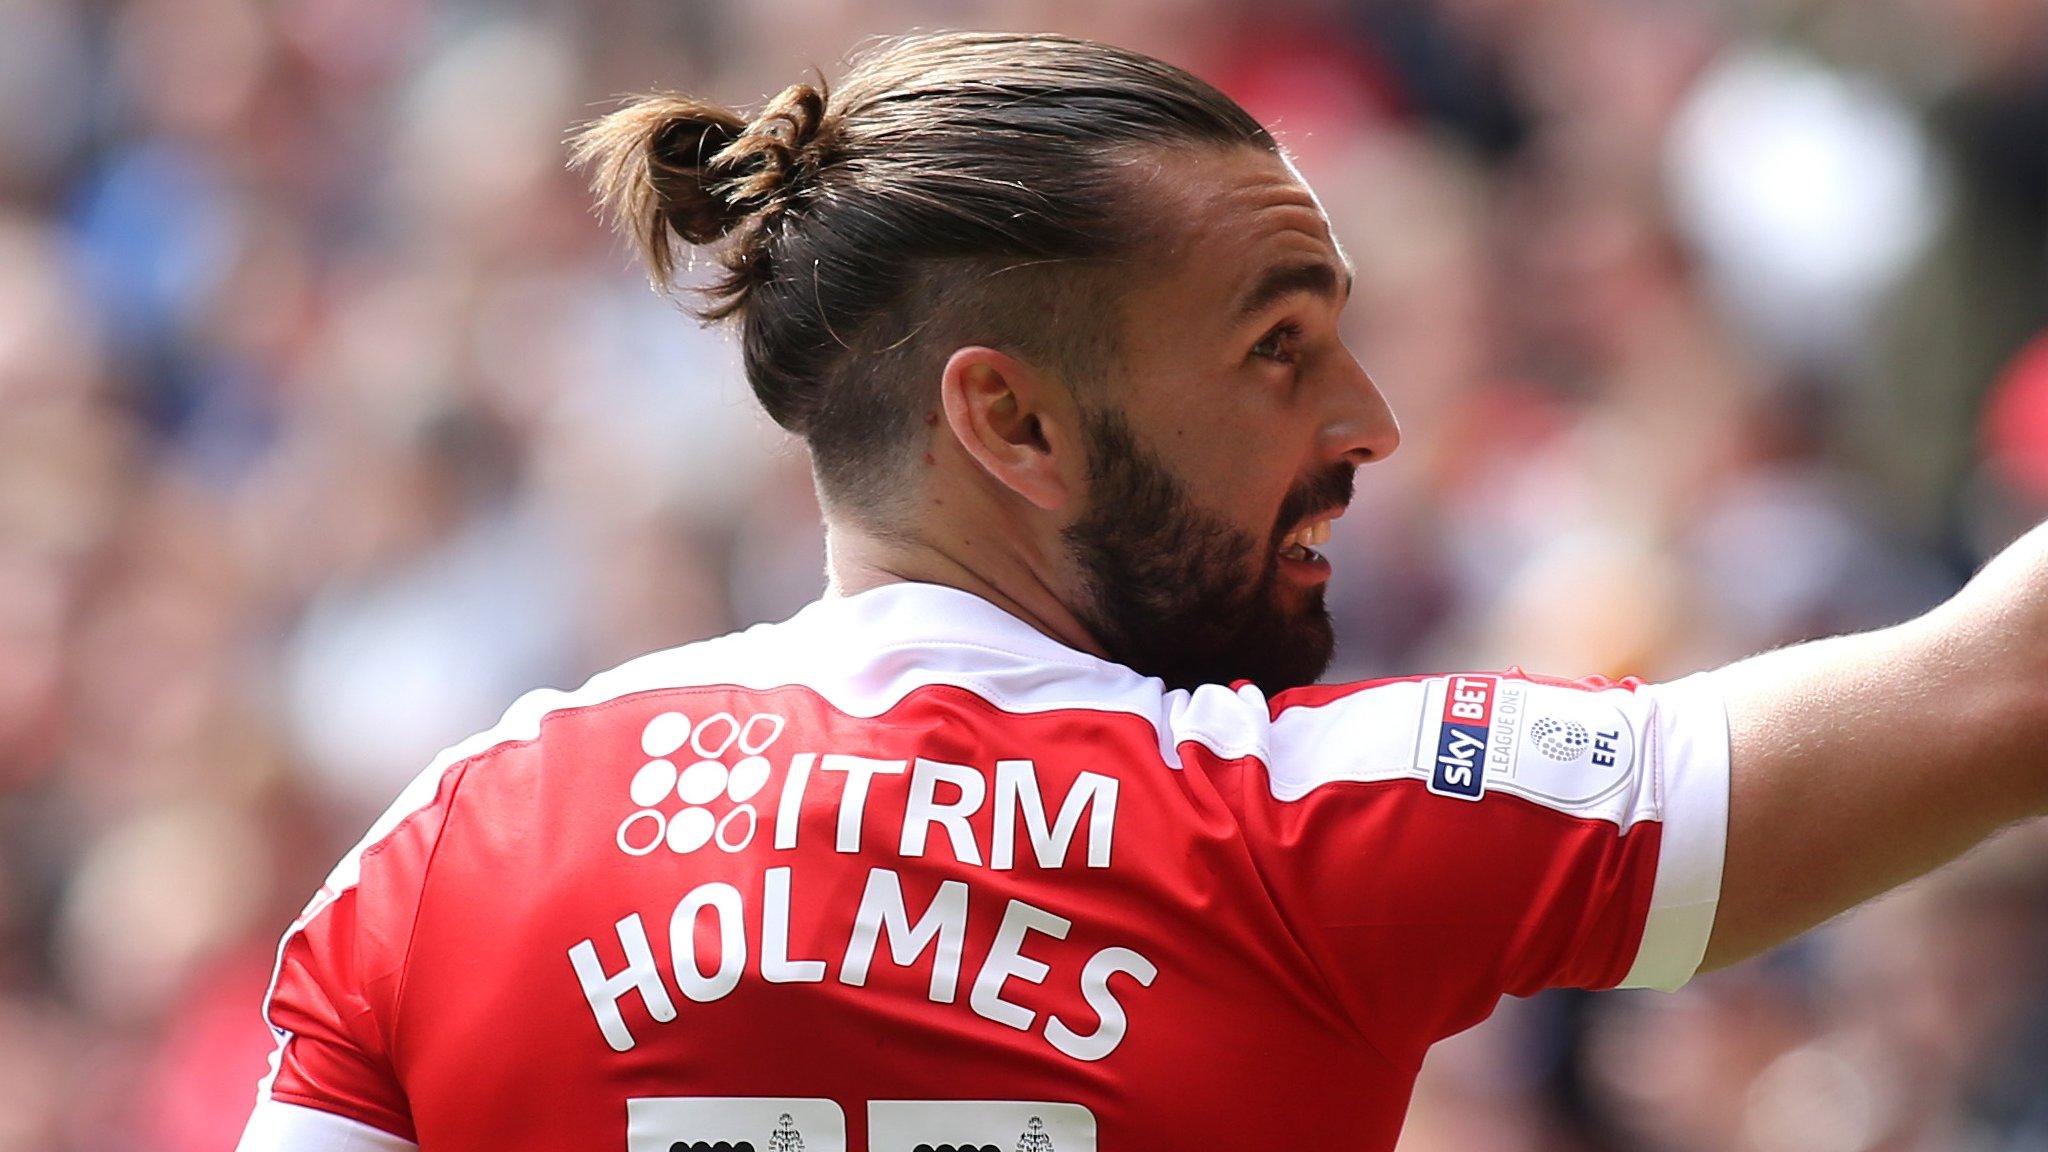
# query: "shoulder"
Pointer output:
{"type": "Point", "coordinates": [1576, 747]}
{"type": "Point", "coordinates": [858, 659]}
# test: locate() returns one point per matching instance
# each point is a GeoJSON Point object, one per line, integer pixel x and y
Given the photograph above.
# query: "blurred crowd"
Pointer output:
{"type": "Point", "coordinates": [330, 422]}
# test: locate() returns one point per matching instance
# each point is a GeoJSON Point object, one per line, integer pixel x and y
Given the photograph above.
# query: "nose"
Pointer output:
{"type": "Point", "coordinates": [1361, 427]}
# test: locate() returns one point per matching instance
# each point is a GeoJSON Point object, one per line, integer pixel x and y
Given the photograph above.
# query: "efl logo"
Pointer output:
{"type": "Point", "coordinates": [1461, 744]}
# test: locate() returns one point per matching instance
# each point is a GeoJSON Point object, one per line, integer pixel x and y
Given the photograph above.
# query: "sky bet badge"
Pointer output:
{"type": "Point", "coordinates": [1565, 746]}
{"type": "Point", "coordinates": [1460, 767]}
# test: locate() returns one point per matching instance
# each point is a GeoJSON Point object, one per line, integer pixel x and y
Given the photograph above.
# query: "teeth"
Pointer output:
{"type": "Point", "coordinates": [1307, 536]}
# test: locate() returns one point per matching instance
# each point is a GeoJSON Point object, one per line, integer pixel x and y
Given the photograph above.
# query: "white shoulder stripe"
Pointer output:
{"type": "Point", "coordinates": [864, 655]}
{"type": "Point", "coordinates": [276, 1126]}
{"type": "Point", "coordinates": [1371, 734]}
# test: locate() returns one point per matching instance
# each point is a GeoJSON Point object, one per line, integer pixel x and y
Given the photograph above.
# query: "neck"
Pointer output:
{"type": "Point", "coordinates": [857, 559]}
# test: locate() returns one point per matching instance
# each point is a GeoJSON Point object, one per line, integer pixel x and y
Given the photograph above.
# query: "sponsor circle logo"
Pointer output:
{"type": "Point", "coordinates": [1560, 740]}
{"type": "Point", "coordinates": [699, 785]}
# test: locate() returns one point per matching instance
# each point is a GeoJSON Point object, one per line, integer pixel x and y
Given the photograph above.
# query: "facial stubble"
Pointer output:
{"type": "Point", "coordinates": [1177, 592]}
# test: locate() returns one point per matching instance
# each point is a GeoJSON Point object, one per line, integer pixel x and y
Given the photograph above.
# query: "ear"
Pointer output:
{"type": "Point", "coordinates": [1015, 421]}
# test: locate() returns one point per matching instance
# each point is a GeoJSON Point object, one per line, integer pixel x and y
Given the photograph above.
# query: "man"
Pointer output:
{"type": "Point", "coordinates": [1033, 833]}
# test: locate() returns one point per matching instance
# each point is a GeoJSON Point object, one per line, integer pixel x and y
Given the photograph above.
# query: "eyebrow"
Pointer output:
{"type": "Point", "coordinates": [1316, 277]}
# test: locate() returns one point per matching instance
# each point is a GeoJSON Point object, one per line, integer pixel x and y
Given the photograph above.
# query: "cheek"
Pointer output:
{"type": "Point", "coordinates": [1233, 450]}
{"type": "Point", "coordinates": [1259, 452]}
{"type": "Point", "coordinates": [1247, 487]}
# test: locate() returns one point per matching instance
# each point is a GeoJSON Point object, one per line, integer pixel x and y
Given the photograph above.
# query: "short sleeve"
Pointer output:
{"type": "Point", "coordinates": [333, 999]}
{"type": "Point", "coordinates": [1438, 842]}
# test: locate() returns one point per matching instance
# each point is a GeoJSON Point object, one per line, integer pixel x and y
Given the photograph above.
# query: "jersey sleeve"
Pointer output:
{"type": "Point", "coordinates": [334, 995]}
{"type": "Point", "coordinates": [1439, 842]}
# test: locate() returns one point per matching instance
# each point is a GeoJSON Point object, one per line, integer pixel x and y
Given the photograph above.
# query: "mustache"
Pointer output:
{"type": "Point", "coordinates": [1325, 491]}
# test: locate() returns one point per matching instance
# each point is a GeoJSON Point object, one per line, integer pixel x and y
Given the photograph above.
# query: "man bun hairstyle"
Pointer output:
{"type": "Point", "coordinates": [957, 188]}
{"type": "Point", "coordinates": [668, 168]}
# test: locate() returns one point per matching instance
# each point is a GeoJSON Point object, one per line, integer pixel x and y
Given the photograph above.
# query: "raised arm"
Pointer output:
{"type": "Point", "coordinates": [1861, 762]}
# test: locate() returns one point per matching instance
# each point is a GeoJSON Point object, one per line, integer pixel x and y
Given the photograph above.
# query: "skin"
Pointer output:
{"type": "Point", "coordinates": [1200, 380]}
{"type": "Point", "coordinates": [1856, 763]}
{"type": "Point", "coordinates": [1861, 762]}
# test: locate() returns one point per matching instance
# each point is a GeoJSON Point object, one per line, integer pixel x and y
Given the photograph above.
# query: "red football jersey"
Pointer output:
{"type": "Point", "coordinates": [903, 874]}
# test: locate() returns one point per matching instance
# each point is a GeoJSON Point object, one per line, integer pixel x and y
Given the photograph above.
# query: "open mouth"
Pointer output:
{"type": "Point", "coordinates": [1301, 544]}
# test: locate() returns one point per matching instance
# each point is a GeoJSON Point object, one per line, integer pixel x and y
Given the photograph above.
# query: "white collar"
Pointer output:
{"type": "Point", "coordinates": [909, 612]}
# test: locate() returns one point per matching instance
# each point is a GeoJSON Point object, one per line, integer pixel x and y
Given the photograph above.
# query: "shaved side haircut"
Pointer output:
{"type": "Point", "coordinates": [959, 188]}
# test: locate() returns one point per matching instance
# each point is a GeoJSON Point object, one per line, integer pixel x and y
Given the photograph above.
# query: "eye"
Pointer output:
{"type": "Point", "coordinates": [1278, 345]}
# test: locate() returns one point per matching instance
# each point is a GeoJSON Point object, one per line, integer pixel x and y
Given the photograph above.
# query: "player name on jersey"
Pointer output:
{"type": "Point", "coordinates": [904, 874]}
{"type": "Point", "coordinates": [1077, 831]}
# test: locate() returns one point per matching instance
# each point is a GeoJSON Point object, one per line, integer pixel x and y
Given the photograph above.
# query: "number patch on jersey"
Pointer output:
{"type": "Point", "coordinates": [975, 1125]}
{"type": "Point", "coordinates": [734, 1124]}
{"type": "Point", "coordinates": [805, 1124]}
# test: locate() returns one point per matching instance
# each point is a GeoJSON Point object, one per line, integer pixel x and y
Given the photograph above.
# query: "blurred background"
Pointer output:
{"type": "Point", "coordinates": [330, 422]}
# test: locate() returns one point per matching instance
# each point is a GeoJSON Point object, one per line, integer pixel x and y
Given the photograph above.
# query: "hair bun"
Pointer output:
{"type": "Point", "coordinates": [650, 165]}
{"type": "Point", "coordinates": [776, 149]}
{"type": "Point", "coordinates": [670, 168]}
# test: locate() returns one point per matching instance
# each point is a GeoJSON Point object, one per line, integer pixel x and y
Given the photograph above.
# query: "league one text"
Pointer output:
{"type": "Point", "coordinates": [1471, 727]}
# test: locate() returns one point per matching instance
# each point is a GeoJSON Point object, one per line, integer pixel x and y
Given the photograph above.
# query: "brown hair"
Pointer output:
{"type": "Point", "coordinates": [957, 188]}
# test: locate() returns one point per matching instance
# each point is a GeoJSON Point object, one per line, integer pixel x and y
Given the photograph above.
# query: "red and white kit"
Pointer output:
{"type": "Point", "coordinates": [902, 873]}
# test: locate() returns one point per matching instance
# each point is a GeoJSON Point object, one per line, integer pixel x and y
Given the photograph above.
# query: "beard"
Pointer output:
{"type": "Point", "coordinates": [1174, 591]}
